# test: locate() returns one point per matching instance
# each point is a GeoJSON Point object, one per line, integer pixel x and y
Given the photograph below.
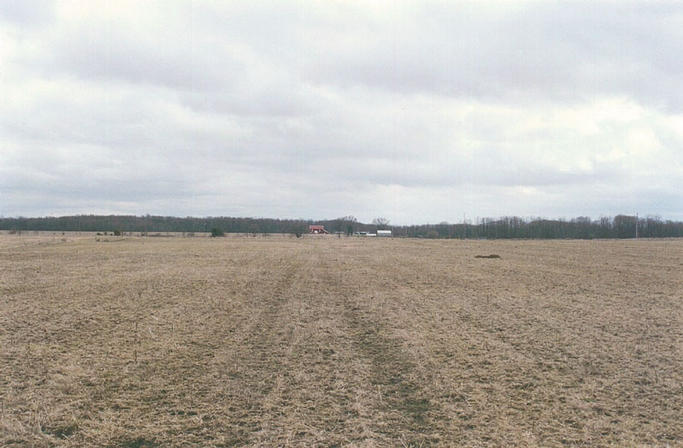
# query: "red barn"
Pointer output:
{"type": "Point", "coordinates": [317, 229]}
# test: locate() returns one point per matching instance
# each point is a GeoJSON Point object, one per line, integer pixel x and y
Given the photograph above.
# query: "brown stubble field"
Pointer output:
{"type": "Point", "coordinates": [278, 341]}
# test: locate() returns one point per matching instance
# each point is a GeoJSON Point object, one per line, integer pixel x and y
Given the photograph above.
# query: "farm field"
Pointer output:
{"type": "Point", "coordinates": [278, 341]}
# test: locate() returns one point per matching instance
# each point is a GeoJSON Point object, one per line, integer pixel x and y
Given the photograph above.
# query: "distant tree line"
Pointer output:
{"type": "Point", "coordinates": [620, 226]}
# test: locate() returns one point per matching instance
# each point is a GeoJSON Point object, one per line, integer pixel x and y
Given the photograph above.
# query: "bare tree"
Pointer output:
{"type": "Point", "coordinates": [381, 223]}
{"type": "Point", "coordinates": [350, 223]}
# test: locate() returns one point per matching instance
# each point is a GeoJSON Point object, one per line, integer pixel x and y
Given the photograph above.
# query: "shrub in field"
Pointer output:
{"type": "Point", "coordinates": [216, 232]}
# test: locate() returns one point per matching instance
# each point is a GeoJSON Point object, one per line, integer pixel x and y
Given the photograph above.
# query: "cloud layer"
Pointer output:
{"type": "Point", "coordinates": [417, 111]}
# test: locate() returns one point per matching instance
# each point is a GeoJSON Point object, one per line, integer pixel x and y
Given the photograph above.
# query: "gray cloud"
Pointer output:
{"type": "Point", "coordinates": [27, 13]}
{"type": "Point", "coordinates": [419, 111]}
{"type": "Point", "coordinates": [528, 53]}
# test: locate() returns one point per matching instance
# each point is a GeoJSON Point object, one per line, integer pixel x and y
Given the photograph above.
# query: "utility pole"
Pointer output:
{"type": "Point", "coordinates": [464, 225]}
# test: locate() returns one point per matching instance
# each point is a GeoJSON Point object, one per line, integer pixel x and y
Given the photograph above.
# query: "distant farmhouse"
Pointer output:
{"type": "Point", "coordinates": [317, 230]}
{"type": "Point", "coordinates": [384, 233]}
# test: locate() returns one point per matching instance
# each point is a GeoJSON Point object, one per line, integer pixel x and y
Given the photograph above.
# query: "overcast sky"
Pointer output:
{"type": "Point", "coordinates": [415, 111]}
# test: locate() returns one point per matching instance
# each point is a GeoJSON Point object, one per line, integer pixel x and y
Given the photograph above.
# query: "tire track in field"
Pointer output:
{"type": "Point", "coordinates": [405, 414]}
{"type": "Point", "coordinates": [387, 387]}
{"type": "Point", "coordinates": [261, 358]}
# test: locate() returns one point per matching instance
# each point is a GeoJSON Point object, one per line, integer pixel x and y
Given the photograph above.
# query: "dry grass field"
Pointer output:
{"type": "Point", "coordinates": [154, 342]}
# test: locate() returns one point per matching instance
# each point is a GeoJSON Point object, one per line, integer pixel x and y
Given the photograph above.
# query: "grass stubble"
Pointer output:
{"type": "Point", "coordinates": [339, 342]}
